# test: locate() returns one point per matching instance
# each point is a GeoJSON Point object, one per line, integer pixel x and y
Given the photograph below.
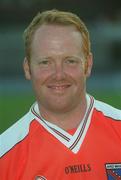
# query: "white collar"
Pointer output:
{"type": "Point", "coordinates": [72, 142]}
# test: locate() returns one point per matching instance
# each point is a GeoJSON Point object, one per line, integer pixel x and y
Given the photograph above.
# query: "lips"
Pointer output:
{"type": "Point", "coordinates": [59, 87]}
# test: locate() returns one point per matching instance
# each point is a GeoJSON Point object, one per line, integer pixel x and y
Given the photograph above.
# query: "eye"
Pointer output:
{"type": "Point", "coordinates": [44, 62]}
{"type": "Point", "coordinates": [71, 61]}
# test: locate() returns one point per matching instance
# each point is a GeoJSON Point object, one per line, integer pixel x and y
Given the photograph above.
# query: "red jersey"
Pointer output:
{"type": "Point", "coordinates": [35, 149]}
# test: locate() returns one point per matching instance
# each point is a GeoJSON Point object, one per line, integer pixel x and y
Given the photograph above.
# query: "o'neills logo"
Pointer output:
{"type": "Point", "coordinates": [40, 178]}
{"type": "Point", "coordinates": [80, 168]}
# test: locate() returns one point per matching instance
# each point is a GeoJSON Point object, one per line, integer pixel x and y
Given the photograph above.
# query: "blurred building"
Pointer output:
{"type": "Point", "coordinates": [102, 19]}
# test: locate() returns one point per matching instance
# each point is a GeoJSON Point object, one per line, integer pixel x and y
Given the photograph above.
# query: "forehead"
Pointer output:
{"type": "Point", "coordinates": [56, 38]}
{"type": "Point", "coordinates": [50, 28]}
{"type": "Point", "coordinates": [56, 32]}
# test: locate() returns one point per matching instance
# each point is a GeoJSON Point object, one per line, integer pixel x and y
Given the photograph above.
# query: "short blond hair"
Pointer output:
{"type": "Point", "coordinates": [56, 17]}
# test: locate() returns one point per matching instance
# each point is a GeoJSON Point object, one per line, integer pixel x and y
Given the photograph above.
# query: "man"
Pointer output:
{"type": "Point", "coordinates": [67, 134]}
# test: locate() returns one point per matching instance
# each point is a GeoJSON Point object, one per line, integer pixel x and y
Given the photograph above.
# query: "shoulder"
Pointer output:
{"type": "Point", "coordinates": [16, 133]}
{"type": "Point", "coordinates": [107, 110]}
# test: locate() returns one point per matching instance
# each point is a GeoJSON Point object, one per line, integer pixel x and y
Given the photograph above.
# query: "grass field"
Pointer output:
{"type": "Point", "coordinates": [14, 106]}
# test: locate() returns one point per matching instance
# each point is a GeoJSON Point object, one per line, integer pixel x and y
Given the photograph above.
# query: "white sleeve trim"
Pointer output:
{"type": "Point", "coordinates": [15, 134]}
{"type": "Point", "coordinates": [108, 110]}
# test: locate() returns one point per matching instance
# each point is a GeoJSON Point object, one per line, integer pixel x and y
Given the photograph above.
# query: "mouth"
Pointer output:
{"type": "Point", "coordinates": [59, 88]}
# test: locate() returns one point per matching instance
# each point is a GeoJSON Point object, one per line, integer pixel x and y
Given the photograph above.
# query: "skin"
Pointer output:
{"type": "Point", "coordinates": [58, 70]}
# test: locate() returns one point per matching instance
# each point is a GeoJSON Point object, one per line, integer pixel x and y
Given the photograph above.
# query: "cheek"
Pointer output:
{"type": "Point", "coordinates": [76, 73]}
{"type": "Point", "coordinates": [79, 78]}
{"type": "Point", "coordinates": [39, 76]}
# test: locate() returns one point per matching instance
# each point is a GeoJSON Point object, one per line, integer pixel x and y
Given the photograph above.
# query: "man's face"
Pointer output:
{"type": "Point", "coordinates": [57, 68]}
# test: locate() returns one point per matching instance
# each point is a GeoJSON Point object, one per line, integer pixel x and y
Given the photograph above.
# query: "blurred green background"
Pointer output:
{"type": "Point", "coordinates": [103, 20]}
{"type": "Point", "coordinates": [14, 106]}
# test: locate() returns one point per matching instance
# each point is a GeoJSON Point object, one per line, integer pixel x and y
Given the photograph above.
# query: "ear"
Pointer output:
{"type": "Point", "coordinates": [26, 67]}
{"type": "Point", "coordinates": [88, 65]}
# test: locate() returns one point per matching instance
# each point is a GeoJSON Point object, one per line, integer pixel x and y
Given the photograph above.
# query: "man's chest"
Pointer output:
{"type": "Point", "coordinates": [48, 157]}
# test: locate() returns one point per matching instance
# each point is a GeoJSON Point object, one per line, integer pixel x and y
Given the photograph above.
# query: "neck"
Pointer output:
{"type": "Point", "coordinates": [66, 120]}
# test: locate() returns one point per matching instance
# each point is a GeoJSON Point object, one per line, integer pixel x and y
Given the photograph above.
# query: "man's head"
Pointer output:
{"type": "Point", "coordinates": [56, 17]}
{"type": "Point", "coordinates": [58, 60]}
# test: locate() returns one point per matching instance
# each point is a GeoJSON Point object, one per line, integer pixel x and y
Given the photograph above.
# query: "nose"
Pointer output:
{"type": "Point", "coordinates": [59, 71]}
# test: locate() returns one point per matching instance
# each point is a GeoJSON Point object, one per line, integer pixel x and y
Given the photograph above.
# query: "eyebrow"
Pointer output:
{"type": "Point", "coordinates": [66, 57]}
{"type": "Point", "coordinates": [46, 58]}
{"type": "Point", "coordinates": [73, 56]}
